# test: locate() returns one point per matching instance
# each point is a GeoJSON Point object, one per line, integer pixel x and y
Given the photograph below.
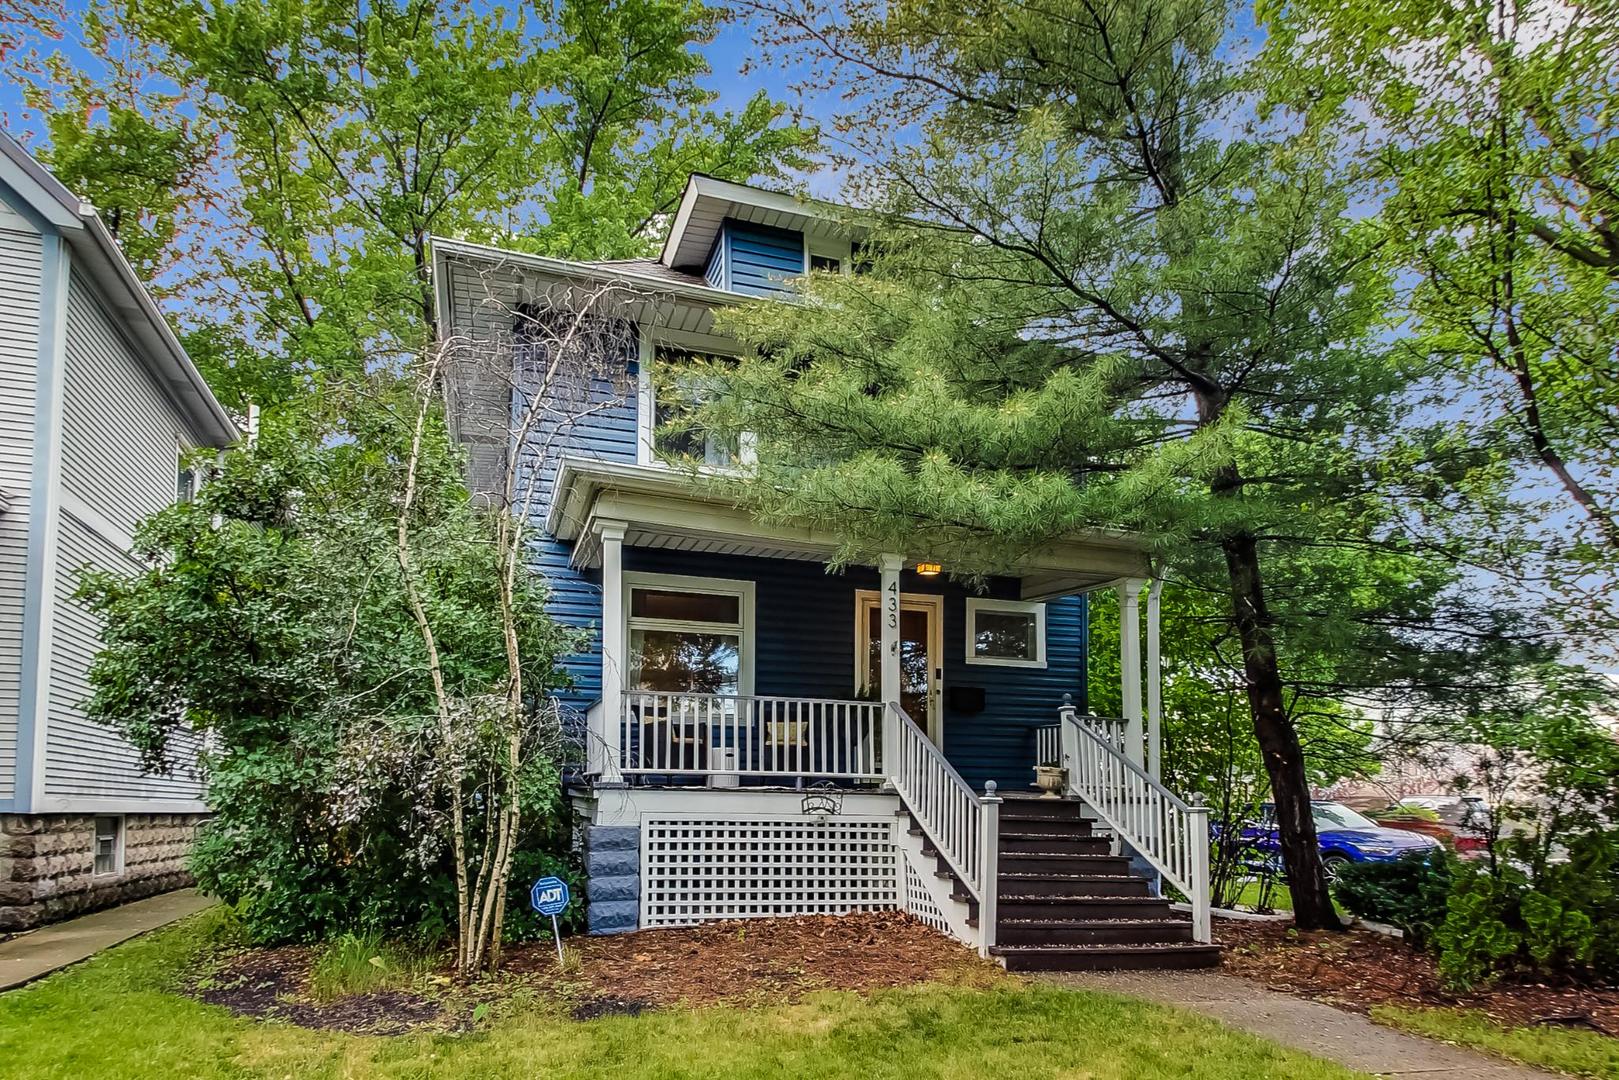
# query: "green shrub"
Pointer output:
{"type": "Point", "coordinates": [1411, 892]}
{"type": "Point", "coordinates": [1556, 938]}
{"type": "Point", "coordinates": [1474, 941]}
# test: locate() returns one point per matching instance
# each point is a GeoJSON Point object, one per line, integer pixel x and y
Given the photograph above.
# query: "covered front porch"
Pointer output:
{"type": "Point", "coordinates": [730, 657]}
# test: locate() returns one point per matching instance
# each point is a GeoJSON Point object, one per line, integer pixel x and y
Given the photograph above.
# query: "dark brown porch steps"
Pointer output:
{"type": "Point", "coordinates": [1066, 904]}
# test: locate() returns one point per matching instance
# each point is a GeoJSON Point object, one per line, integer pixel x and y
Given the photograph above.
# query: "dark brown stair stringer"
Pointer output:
{"type": "Point", "coordinates": [1065, 903]}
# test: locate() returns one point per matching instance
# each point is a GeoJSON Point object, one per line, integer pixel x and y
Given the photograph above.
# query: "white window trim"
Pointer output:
{"type": "Point", "coordinates": [646, 414]}
{"type": "Point", "coordinates": [682, 583]}
{"type": "Point", "coordinates": [117, 847]}
{"type": "Point", "coordinates": [975, 604]}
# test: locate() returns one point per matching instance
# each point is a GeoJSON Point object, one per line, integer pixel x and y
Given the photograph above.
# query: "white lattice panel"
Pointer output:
{"type": "Point", "coordinates": [696, 870]}
{"type": "Point", "coordinates": [918, 901]}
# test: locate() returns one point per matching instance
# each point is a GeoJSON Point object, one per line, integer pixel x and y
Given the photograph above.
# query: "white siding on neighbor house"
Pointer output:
{"type": "Point", "coordinates": [84, 759]}
{"type": "Point", "coordinates": [120, 438]}
{"type": "Point", "coordinates": [21, 258]}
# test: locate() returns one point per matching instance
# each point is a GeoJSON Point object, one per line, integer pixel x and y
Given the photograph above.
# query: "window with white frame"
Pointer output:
{"type": "Point", "coordinates": [185, 478]}
{"type": "Point", "coordinates": [1008, 633]}
{"type": "Point", "coordinates": [673, 386]}
{"type": "Point", "coordinates": [109, 847]}
{"type": "Point", "coordinates": [689, 635]}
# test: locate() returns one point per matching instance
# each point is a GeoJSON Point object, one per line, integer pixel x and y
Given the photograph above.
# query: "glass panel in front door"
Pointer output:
{"type": "Point", "coordinates": [914, 676]}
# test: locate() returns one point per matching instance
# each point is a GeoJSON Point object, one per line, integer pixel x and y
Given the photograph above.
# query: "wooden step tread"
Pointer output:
{"type": "Point", "coordinates": [1079, 899]}
{"type": "Point", "coordinates": [1094, 924]}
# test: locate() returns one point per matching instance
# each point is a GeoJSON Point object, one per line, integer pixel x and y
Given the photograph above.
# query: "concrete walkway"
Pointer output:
{"type": "Point", "coordinates": [1345, 1037]}
{"type": "Point", "coordinates": [37, 953]}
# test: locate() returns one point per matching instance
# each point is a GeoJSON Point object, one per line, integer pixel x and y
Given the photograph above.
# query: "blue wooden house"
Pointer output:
{"type": "Point", "coordinates": [765, 736]}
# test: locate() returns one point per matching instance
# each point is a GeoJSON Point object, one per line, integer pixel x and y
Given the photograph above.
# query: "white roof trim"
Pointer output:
{"type": "Point", "coordinates": [100, 257]}
{"type": "Point", "coordinates": [583, 271]}
{"type": "Point", "coordinates": [685, 247]}
{"type": "Point", "coordinates": [666, 500]}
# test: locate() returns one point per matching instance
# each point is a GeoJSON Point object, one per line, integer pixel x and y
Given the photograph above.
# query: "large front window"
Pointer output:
{"type": "Point", "coordinates": [688, 638]}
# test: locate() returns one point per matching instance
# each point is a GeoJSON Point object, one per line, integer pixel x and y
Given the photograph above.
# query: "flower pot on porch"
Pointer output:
{"type": "Point", "coordinates": [1051, 779]}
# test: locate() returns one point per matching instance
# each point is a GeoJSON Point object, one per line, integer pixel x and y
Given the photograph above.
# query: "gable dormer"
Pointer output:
{"type": "Point", "coordinates": [751, 241]}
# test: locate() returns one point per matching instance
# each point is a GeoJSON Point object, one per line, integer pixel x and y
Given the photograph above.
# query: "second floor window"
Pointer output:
{"type": "Point", "coordinates": [673, 392]}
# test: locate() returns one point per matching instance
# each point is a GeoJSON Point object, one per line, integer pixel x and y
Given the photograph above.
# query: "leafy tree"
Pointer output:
{"type": "Point", "coordinates": [1103, 299]}
{"type": "Point", "coordinates": [273, 634]}
{"type": "Point", "coordinates": [343, 136]}
{"type": "Point", "coordinates": [1489, 130]}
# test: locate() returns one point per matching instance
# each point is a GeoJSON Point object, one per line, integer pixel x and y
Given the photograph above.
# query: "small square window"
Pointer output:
{"type": "Point", "coordinates": [109, 845]}
{"type": "Point", "coordinates": [1009, 633]}
{"type": "Point", "coordinates": [830, 264]}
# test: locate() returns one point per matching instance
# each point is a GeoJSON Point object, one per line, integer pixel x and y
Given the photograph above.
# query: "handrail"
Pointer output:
{"type": "Point", "coordinates": [963, 827]}
{"type": "Point", "coordinates": [1159, 825]}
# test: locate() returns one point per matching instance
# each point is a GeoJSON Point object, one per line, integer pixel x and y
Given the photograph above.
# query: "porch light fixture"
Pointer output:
{"type": "Point", "coordinates": [928, 569]}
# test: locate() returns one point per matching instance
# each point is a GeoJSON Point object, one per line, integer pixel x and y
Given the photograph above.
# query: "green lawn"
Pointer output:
{"type": "Point", "coordinates": [1565, 1050]}
{"type": "Point", "coordinates": [118, 1016]}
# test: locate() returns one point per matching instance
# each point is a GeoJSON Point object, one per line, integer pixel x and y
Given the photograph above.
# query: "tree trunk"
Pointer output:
{"type": "Point", "coordinates": [1278, 740]}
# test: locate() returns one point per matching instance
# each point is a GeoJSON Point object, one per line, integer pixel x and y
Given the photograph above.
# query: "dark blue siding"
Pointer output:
{"type": "Point", "coordinates": [606, 432]}
{"type": "Point", "coordinates": [755, 259]}
{"type": "Point", "coordinates": [804, 646]}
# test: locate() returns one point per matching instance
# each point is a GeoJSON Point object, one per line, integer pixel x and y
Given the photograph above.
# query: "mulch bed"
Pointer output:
{"type": "Point", "coordinates": [745, 962]}
{"type": "Point", "coordinates": [756, 961]}
{"type": "Point", "coordinates": [271, 984]}
{"type": "Point", "coordinates": [1359, 969]}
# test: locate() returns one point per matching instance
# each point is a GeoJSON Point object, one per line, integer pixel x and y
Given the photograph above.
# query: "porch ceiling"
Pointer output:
{"type": "Point", "coordinates": [659, 508]}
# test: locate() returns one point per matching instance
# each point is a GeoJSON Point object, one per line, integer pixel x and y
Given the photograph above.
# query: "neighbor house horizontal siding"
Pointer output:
{"type": "Point", "coordinates": [21, 266]}
{"type": "Point", "coordinates": [121, 436]}
{"type": "Point", "coordinates": [84, 759]}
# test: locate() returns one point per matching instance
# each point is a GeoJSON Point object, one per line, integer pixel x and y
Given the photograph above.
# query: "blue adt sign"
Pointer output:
{"type": "Point", "coordinates": [549, 896]}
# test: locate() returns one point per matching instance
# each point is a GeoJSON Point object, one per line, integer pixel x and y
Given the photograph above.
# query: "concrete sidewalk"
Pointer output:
{"type": "Point", "coordinates": [37, 953]}
{"type": "Point", "coordinates": [1345, 1037]}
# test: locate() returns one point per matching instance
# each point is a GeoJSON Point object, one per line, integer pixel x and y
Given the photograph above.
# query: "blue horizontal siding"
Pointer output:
{"type": "Point", "coordinates": [605, 432]}
{"type": "Point", "coordinates": [756, 259]}
{"type": "Point", "coordinates": [804, 647]}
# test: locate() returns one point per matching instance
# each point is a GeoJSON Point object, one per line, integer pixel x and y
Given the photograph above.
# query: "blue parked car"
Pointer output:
{"type": "Point", "coordinates": [1345, 837]}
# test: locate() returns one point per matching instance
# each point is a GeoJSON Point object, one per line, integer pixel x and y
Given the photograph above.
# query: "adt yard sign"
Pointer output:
{"type": "Point", "coordinates": [549, 896]}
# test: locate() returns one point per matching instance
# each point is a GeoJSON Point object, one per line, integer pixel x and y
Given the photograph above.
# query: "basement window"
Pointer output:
{"type": "Point", "coordinates": [109, 845]}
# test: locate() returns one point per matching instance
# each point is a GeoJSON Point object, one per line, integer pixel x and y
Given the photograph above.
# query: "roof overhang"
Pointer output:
{"type": "Point", "coordinates": [650, 301]}
{"type": "Point", "coordinates": [708, 202]}
{"type": "Point", "coordinates": [98, 256]}
{"type": "Point", "coordinates": [664, 508]}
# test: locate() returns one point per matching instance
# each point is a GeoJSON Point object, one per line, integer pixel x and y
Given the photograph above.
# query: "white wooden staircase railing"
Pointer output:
{"type": "Point", "coordinates": [1164, 829]}
{"type": "Point", "coordinates": [962, 826]}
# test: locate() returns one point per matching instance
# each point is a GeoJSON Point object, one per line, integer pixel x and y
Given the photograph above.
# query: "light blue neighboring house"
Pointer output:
{"type": "Point", "coordinates": [97, 403]}
{"type": "Point", "coordinates": [765, 737]}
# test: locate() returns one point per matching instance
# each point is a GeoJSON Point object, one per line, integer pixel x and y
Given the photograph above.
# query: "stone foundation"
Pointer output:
{"type": "Point", "coordinates": [47, 864]}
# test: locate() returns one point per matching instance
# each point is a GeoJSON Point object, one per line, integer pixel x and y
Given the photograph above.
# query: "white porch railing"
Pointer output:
{"type": "Point", "coordinates": [746, 735]}
{"type": "Point", "coordinates": [1164, 829]}
{"type": "Point", "coordinates": [964, 827]}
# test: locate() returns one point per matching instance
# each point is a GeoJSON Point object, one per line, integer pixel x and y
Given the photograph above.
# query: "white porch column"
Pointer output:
{"type": "Point", "coordinates": [888, 666]}
{"type": "Point", "coordinates": [608, 739]}
{"type": "Point", "coordinates": [1155, 689]}
{"type": "Point", "coordinates": [1130, 665]}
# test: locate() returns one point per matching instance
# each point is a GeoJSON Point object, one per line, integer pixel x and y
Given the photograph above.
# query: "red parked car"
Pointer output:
{"type": "Point", "coordinates": [1460, 822]}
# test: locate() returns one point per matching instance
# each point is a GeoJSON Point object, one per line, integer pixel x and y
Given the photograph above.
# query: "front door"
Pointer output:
{"type": "Point", "coordinates": [920, 656]}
